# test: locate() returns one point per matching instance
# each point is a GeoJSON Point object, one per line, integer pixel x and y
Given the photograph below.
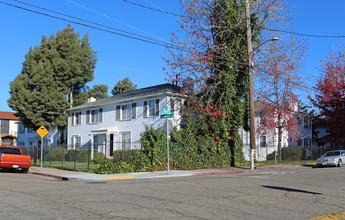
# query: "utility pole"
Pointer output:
{"type": "Point", "coordinates": [251, 90]}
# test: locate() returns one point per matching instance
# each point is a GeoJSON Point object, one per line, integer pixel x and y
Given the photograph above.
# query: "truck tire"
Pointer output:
{"type": "Point", "coordinates": [25, 170]}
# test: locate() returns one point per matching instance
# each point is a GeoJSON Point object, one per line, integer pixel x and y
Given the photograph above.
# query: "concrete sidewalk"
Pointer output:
{"type": "Point", "coordinates": [66, 175]}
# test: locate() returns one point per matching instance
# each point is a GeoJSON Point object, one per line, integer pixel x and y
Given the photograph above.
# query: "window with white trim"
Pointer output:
{"type": "Point", "coordinates": [126, 112]}
{"type": "Point", "coordinates": [94, 116]}
{"type": "Point", "coordinates": [263, 141]}
{"type": "Point", "coordinates": [76, 141]}
{"type": "Point", "coordinates": [76, 118]}
{"type": "Point", "coordinates": [151, 108]}
{"type": "Point", "coordinates": [126, 140]}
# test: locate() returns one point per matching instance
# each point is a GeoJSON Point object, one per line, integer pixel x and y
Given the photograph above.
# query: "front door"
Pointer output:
{"type": "Point", "coordinates": [111, 145]}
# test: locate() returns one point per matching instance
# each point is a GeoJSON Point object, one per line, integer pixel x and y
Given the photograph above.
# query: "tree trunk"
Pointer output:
{"type": "Point", "coordinates": [70, 99]}
{"type": "Point", "coordinates": [280, 137]}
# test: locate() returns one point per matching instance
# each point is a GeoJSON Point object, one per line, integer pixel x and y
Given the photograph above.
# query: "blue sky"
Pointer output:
{"type": "Point", "coordinates": [120, 57]}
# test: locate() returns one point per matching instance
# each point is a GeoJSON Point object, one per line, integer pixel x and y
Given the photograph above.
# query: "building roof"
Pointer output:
{"type": "Point", "coordinates": [144, 93]}
{"type": "Point", "coordinates": [8, 115]}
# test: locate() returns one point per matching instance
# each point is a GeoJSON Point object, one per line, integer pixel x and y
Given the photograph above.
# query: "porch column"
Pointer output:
{"type": "Point", "coordinates": [91, 146]}
{"type": "Point", "coordinates": [107, 145]}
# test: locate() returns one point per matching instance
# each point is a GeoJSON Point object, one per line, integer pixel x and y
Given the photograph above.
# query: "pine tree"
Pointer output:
{"type": "Point", "coordinates": [59, 67]}
{"type": "Point", "coordinates": [123, 86]}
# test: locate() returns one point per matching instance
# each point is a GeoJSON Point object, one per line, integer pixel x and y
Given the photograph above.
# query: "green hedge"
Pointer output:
{"type": "Point", "coordinates": [80, 155]}
{"type": "Point", "coordinates": [289, 153]}
{"type": "Point", "coordinates": [125, 161]}
{"type": "Point", "coordinates": [57, 154]}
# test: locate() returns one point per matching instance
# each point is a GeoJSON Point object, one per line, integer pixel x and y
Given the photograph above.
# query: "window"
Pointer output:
{"type": "Point", "coordinates": [94, 116]}
{"type": "Point", "coordinates": [172, 105]}
{"type": "Point", "coordinates": [306, 142]}
{"type": "Point", "coordinates": [299, 120]}
{"type": "Point", "coordinates": [126, 141]}
{"type": "Point", "coordinates": [76, 118]}
{"type": "Point", "coordinates": [299, 142]}
{"type": "Point", "coordinates": [76, 142]}
{"type": "Point", "coordinates": [21, 129]}
{"type": "Point", "coordinates": [263, 141]}
{"type": "Point", "coordinates": [5, 126]}
{"type": "Point", "coordinates": [151, 108]}
{"type": "Point", "coordinates": [126, 112]}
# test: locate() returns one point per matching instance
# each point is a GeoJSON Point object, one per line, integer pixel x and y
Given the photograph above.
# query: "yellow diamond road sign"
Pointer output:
{"type": "Point", "coordinates": [42, 131]}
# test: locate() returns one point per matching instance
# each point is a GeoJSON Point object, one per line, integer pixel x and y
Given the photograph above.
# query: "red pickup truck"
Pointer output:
{"type": "Point", "coordinates": [13, 158]}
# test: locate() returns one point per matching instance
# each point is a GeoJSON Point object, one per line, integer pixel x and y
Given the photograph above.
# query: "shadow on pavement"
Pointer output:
{"type": "Point", "coordinates": [291, 190]}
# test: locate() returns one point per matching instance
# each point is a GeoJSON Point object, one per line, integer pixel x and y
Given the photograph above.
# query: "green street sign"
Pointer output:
{"type": "Point", "coordinates": [166, 112]}
{"type": "Point", "coordinates": [167, 115]}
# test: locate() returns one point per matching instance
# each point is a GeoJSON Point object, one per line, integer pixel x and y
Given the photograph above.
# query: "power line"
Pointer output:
{"type": "Point", "coordinates": [305, 35]}
{"type": "Point", "coordinates": [269, 29]}
{"type": "Point", "coordinates": [135, 37]}
{"type": "Point", "coordinates": [153, 9]}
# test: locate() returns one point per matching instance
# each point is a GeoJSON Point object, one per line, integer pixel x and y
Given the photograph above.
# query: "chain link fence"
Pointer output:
{"type": "Point", "coordinates": [78, 159]}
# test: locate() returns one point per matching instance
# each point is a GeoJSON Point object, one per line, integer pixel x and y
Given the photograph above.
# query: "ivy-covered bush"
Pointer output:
{"type": "Point", "coordinates": [125, 161]}
{"type": "Point", "coordinates": [186, 151]}
{"type": "Point", "coordinates": [154, 144]}
{"type": "Point", "coordinates": [98, 158]}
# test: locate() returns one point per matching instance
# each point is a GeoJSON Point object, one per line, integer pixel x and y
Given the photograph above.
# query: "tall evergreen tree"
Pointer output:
{"type": "Point", "coordinates": [59, 67]}
{"type": "Point", "coordinates": [123, 86]}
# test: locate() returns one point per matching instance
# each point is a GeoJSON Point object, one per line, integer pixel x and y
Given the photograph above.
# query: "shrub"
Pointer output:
{"type": "Point", "coordinates": [131, 161]}
{"type": "Point", "coordinates": [125, 161]}
{"type": "Point", "coordinates": [154, 144]}
{"type": "Point", "coordinates": [80, 155]}
{"type": "Point", "coordinates": [98, 157]}
{"type": "Point", "coordinates": [106, 167]}
{"type": "Point", "coordinates": [292, 153]}
{"type": "Point", "coordinates": [57, 154]}
{"type": "Point", "coordinates": [288, 153]}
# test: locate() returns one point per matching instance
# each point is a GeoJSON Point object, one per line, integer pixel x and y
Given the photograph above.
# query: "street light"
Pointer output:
{"type": "Point", "coordinates": [251, 101]}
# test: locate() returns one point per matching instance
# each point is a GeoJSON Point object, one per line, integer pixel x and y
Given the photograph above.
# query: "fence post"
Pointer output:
{"type": "Point", "coordinates": [75, 158]}
{"type": "Point", "coordinates": [50, 156]}
{"type": "Point", "coordinates": [63, 152]}
{"type": "Point", "coordinates": [35, 155]}
{"type": "Point", "coordinates": [88, 157]}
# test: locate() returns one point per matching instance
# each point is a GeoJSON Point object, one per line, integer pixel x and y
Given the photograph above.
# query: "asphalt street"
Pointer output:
{"type": "Point", "coordinates": [285, 193]}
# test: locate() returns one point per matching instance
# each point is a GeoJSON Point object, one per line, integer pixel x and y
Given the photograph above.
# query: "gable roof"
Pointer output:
{"type": "Point", "coordinates": [8, 115]}
{"type": "Point", "coordinates": [144, 93]}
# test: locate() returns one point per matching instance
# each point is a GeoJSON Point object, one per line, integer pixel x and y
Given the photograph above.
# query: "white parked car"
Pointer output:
{"type": "Point", "coordinates": [332, 158]}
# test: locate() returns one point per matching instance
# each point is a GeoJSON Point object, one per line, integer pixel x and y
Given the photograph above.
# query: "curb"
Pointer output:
{"type": "Point", "coordinates": [218, 173]}
{"type": "Point", "coordinates": [62, 178]}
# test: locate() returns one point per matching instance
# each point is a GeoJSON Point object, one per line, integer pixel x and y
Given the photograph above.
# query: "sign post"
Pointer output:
{"type": "Point", "coordinates": [167, 114]}
{"type": "Point", "coordinates": [42, 131]}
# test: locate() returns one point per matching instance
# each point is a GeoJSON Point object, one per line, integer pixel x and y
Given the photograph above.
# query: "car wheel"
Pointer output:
{"type": "Point", "coordinates": [25, 170]}
{"type": "Point", "coordinates": [340, 163]}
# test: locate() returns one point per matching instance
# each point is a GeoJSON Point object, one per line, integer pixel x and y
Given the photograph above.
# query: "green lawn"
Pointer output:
{"type": "Point", "coordinates": [271, 162]}
{"type": "Point", "coordinates": [70, 165]}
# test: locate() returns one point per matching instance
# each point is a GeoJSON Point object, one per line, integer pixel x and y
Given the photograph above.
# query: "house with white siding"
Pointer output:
{"type": "Point", "coordinates": [267, 144]}
{"type": "Point", "coordinates": [116, 123]}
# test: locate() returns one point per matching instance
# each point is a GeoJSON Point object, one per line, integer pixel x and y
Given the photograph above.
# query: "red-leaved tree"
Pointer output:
{"type": "Point", "coordinates": [279, 79]}
{"type": "Point", "coordinates": [330, 95]}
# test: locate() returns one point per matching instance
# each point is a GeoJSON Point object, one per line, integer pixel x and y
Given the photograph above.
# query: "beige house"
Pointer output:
{"type": "Point", "coordinates": [9, 127]}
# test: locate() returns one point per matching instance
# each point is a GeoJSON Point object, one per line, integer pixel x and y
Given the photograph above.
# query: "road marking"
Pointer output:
{"type": "Point", "coordinates": [119, 177]}
{"type": "Point", "coordinates": [338, 215]}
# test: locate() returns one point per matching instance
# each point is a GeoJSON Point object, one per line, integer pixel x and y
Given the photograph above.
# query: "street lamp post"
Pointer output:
{"type": "Point", "coordinates": [251, 88]}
